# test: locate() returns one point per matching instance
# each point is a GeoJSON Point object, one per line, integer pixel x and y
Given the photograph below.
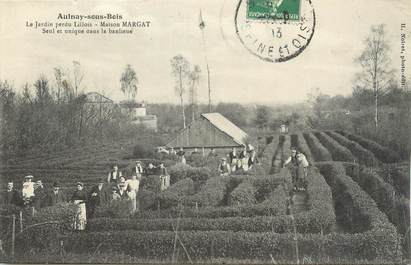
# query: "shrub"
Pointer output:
{"type": "Point", "coordinates": [277, 160]}
{"type": "Point", "coordinates": [317, 149]}
{"type": "Point", "coordinates": [176, 193]}
{"type": "Point", "coordinates": [114, 209]}
{"type": "Point", "coordinates": [243, 194]}
{"type": "Point", "coordinates": [319, 218]}
{"type": "Point", "coordinates": [303, 147]}
{"type": "Point", "coordinates": [182, 171]}
{"type": "Point", "coordinates": [144, 150]}
{"type": "Point", "coordinates": [45, 227]}
{"type": "Point", "coordinates": [338, 152]}
{"type": "Point", "coordinates": [399, 179]}
{"type": "Point", "coordinates": [267, 156]}
{"type": "Point", "coordinates": [383, 153]}
{"type": "Point", "coordinates": [383, 194]}
{"type": "Point", "coordinates": [364, 156]}
{"type": "Point", "coordinates": [211, 193]}
{"type": "Point", "coordinates": [364, 212]}
{"type": "Point", "coordinates": [204, 245]}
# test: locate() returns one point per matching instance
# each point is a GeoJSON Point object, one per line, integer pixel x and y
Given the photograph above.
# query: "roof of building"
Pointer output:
{"type": "Point", "coordinates": [226, 126]}
{"type": "Point", "coordinates": [95, 97]}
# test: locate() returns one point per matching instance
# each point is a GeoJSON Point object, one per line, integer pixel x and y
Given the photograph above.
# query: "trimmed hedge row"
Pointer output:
{"type": "Point", "coordinates": [338, 152]}
{"type": "Point", "coordinates": [277, 157]}
{"type": "Point", "coordinates": [268, 154]}
{"type": "Point", "coordinates": [395, 207]}
{"type": "Point", "coordinates": [176, 193]}
{"type": "Point", "coordinates": [211, 193]}
{"type": "Point", "coordinates": [303, 147]}
{"type": "Point", "coordinates": [206, 245]}
{"type": "Point", "coordinates": [360, 212]}
{"type": "Point", "coordinates": [399, 179]}
{"type": "Point", "coordinates": [363, 155]}
{"type": "Point", "coordinates": [317, 149]}
{"type": "Point", "coordinates": [286, 148]}
{"type": "Point", "coordinates": [274, 204]}
{"type": "Point", "coordinates": [181, 171]}
{"type": "Point", "coordinates": [383, 153]}
{"type": "Point", "coordinates": [319, 218]}
{"type": "Point", "coordinates": [243, 194]}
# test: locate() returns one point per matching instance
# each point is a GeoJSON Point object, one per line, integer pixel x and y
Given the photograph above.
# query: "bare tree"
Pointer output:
{"type": "Point", "coordinates": [375, 62]}
{"type": "Point", "coordinates": [194, 78]}
{"type": "Point", "coordinates": [180, 68]}
{"type": "Point", "coordinates": [129, 82]}
{"type": "Point", "coordinates": [78, 76]}
{"type": "Point", "coordinates": [58, 75]}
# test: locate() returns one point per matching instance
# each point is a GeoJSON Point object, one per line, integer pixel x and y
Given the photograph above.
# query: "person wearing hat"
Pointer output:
{"type": "Point", "coordinates": [223, 167]}
{"type": "Point", "coordinates": [12, 196]}
{"type": "Point", "coordinates": [79, 198]}
{"type": "Point", "coordinates": [137, 169]}
{"type": "Point", "coordinates": [39, 195]}
{"type": "Point", "coordinates": [28, 190]}
{"type": "Point", "coordinates": [97, 197]}
{"type": "Point", "coordinates": [114, 175]}
{"type": "Point", "coordinates": [56, 196]}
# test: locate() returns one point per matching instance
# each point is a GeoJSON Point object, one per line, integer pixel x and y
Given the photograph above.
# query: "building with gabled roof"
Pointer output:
{"type": "Point", "coordinates": [211, 130]}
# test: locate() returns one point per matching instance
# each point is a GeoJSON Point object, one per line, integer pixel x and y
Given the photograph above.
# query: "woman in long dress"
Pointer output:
{"type": "Point", "coordinates": [133, 185]}
{"type": "Point", "coordinates": [79, 198]}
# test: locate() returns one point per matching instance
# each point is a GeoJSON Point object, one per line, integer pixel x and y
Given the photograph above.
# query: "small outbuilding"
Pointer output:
{"type": "Point", "coordinates": [211, 130]}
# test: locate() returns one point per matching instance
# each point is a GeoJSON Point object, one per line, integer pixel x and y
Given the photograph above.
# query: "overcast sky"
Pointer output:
{"type": "Point", "coordinates": [236, 75]}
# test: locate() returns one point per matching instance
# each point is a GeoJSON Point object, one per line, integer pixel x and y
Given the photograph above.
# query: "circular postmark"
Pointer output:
{"type": "Point", "coordinates": [275, 30]}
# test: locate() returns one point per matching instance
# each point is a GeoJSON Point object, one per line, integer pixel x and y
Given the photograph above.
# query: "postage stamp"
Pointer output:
{"type": "Point", "coordinates": [275, 30]}
{"type": "Point", "coordinates": [273, 9]}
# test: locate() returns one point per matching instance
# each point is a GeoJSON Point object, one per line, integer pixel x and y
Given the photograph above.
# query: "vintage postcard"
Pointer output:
{"type": "Point", "coordinates": [216, 132]}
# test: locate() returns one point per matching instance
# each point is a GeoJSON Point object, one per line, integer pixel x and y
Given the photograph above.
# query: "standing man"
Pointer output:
{"type": "Point", "coordinates": [252, 160]}
{"type": "Point", "coordinates": [97, 197]}
{"type": "Point", "coordinates": [56, 196]}
{"type": "Point", "coordinates": [137, 169]}
{"type": "Point", "coordinates": [40, 195]}
{"type": "Point", "coordinates": [114, 175]}
{"type": "Point", "coordinates": [12, 196]}
{"type": "Point", "coordinates": [150, 170]}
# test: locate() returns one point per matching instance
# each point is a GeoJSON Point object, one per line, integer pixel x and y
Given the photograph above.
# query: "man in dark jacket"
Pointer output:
{"type": "Point", "coordinates": [12, 196]}
{"type": "Point", "coordinates": [40, 195]}
{"type": "Point", "coordinates": [97, 197]}
{"type": "Point", "coordinates": [56, 196]}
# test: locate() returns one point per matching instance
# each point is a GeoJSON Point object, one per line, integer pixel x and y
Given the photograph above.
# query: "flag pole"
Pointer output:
{"type": "Point", "coordinates": [202, 26]}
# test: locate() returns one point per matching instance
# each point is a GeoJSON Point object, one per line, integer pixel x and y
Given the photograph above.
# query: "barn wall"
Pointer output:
{"type": "Point", "coordinates": [202, 133]}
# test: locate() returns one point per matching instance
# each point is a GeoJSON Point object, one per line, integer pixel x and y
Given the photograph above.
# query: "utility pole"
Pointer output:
{"type": "Point", "coordinates": [202, 26]}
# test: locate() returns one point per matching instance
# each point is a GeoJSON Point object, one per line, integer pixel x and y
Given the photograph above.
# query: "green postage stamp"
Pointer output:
{"type": "Point", "coordinates": [273, 9]}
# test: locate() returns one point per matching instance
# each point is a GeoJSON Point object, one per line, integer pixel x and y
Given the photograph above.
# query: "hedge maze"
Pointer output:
{"type": "Point", "coordinates": [355, 208]}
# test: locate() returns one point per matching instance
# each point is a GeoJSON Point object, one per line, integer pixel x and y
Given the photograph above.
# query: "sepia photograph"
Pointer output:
{"type": "Point", "coordinates": [205, 132]}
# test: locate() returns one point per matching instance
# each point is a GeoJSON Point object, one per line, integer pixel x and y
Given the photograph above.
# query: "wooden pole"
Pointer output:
{"type": "Point", "coordinates": [13, 235]}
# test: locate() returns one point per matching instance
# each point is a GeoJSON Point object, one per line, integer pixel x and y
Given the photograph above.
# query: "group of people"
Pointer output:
{"type": "Point", "coordinates": [244, 160]}
{"type": "Point", "coordinates": [113, 188]}
{"type": "Point", "coordinates": [299, 169]}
